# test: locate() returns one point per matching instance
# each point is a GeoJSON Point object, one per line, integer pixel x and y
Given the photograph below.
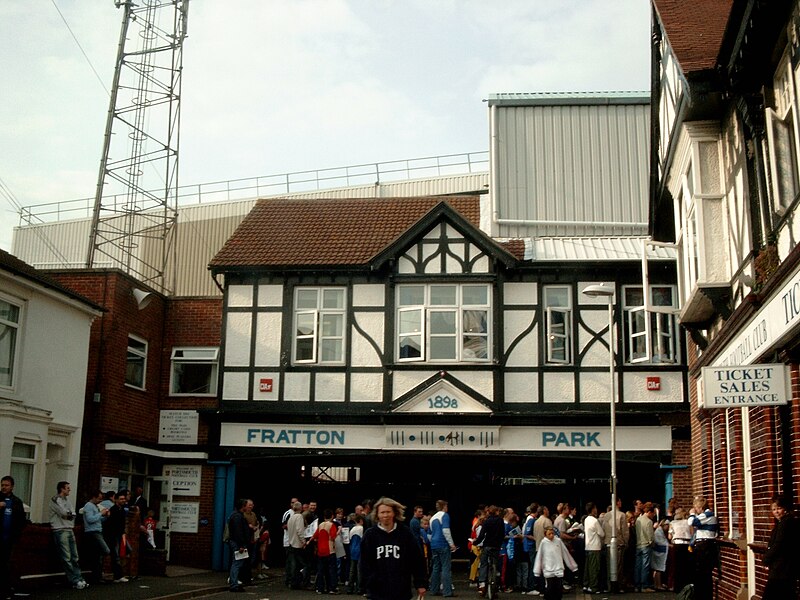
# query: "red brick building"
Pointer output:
{"type": "Point", "coordinates": [724, 163]}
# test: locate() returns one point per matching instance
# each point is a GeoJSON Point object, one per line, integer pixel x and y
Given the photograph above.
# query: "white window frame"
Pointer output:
{"type": "Point", "coordinates": [198, 355]}
{"type": "Point", "coordinates": [317, 335]}
{"type": "Point", "coordinates": [16, 327]}
{"type": "Point", "coordinates": [550, 335]}
{"type": "Point", "coordinates": [459, 308]}
{"type": "Point", "coordinates": [656, 323]}
{"type": "Point", "coordinates": [782, 138]}
{"type": "Point", "coordinates": [29, 463]}
{"type": "Point", "coordinates": [140, 354]}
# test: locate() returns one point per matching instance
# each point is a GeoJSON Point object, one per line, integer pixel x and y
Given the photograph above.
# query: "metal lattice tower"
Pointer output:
{"type": "Point", "coordinates": [136, 201]}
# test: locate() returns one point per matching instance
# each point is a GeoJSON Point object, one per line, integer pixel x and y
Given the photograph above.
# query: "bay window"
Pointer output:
{"type": "Point", "coordinates": [650, 332]}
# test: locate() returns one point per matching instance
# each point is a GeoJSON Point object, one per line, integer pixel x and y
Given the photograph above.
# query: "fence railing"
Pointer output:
{"type": "Point", "coordinates": [275, 185]}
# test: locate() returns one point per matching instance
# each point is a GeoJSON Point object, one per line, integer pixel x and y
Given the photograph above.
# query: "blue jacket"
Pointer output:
{"type": "Point", "coordinates": [440, 531]}
{"type": "Point", "coordinates": [92, 519]}
{"type": "Point", "coordinates": [527, 529]}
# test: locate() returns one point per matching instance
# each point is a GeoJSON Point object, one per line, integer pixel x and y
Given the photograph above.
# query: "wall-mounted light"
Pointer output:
{"type": "Point", "coordinates": [142, 298]}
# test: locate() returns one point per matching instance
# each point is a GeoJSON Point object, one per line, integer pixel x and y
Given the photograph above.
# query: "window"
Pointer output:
{"type": "Point", "coordinates": [650, 332]}
{"type": "Point", "coordinates": [319, 325]}
{"type": "Point", "coordinates": [133, 471]}
{"type": "Point", "coordinates": [9, 333]}
{"type": "Point", "coordinates": [137, 362]}
{"type": "Point", "coordinates": [194, 371]}
{"type": "Point", "coordinates": [558, 323]}
{"type": "Point", "coordinates": [781, 137]}
{"type": "Point", "coordinates": [440, 322]}
{"type": "Point", "coordinates": [23, 459]}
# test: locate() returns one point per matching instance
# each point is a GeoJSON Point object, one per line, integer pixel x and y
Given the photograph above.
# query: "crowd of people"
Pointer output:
{"type": "Point", "coordinates": [535, 553]}
{"type": "Point", "coordinates": [104, 518]}
{"type": "Point", "coordinates": [542, 553]}
{"type": "Point", "coordinates": [374, 552]}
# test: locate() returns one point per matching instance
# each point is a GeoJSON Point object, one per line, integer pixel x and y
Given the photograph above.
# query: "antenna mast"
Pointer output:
{"type": "Point", "coordinates": [136, 201]}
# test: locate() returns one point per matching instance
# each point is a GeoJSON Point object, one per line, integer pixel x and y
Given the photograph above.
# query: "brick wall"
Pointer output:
{"type": "Point", "coordinates": [719, 471]}
{"type": "Point", "coordinates": [125, 414]}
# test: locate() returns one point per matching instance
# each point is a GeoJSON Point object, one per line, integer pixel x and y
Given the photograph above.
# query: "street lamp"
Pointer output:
{"type": "Point", "coordinates": [607, 292]}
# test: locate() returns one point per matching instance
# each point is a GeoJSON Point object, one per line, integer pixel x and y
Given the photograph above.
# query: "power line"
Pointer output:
{"type": "Point", "coordinates": [96, 74]}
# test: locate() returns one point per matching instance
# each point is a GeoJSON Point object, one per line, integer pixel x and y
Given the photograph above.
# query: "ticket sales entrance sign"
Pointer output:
{"type": "Point", "coordinates": [380, 437]}
{"type": "Point", "coordinates": [745, 385]}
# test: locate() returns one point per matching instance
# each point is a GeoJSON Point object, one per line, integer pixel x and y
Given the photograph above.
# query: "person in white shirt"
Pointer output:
{"type": "Point", "coordinates": [551, 558]}
{"type": "Point", "coordinates": [594, 533]}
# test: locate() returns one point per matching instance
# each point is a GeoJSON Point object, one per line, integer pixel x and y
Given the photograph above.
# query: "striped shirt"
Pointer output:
{"type": "Point", "coordinates": [705, 525]}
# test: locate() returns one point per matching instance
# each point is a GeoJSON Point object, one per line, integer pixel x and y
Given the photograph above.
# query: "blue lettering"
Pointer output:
{"type": "Point", "coordinates": [283, 437]}
{"type": "Point", "coordinates": [251, 434]}
{"type": "Point", "coordinates": [591, 439]}
{"type": "Point", "coordinates": [548, 437]}
{"type": "Point", "coordinates": [562, 439]}
{"type": "Point", "coordinates": [337, 436]}
{"type": "Point", "coordinates": [267, 435]}
{"type": "Point", "coordinates": [323, 437]}
{"type": "Point", "coordinates": [577, 438]}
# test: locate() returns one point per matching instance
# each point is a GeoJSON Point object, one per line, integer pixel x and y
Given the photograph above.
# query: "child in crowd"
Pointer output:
{"type": "Point", "coordinates": [149, 528]}
{"type": "Point", "coordinates": [551, 558]}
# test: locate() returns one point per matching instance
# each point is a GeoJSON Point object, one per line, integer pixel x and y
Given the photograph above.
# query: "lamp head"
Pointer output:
{"type": "Point", "coordinates": [599, 290]}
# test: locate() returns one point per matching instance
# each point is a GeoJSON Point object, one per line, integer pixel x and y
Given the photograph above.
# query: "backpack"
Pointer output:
{"type": "Point", "coordinates": [686, 593]}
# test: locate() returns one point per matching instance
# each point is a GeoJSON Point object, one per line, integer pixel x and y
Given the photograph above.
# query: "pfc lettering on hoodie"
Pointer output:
{"type": "Point", "coordinates": [388, 551]}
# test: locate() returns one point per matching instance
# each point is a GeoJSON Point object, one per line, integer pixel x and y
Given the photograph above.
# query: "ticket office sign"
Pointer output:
{"type": "Point", "coordinates": [745, 385]}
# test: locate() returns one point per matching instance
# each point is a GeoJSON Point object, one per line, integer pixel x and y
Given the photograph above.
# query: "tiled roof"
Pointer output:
{"type": "Point", "coordinates": [515, 247]}
{"type": "Point", "coordinates": [694, 30]}
{"type": "Point", "coordinates": [331, 232]}
{"type": "Point", "coordinates": [10, 263]}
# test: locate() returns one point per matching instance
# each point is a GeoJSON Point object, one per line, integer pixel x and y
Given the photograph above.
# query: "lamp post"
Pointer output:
{"type": "Point", "coordinates": [607, 292]}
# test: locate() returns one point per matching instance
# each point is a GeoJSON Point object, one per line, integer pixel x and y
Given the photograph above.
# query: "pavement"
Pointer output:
{"type": "Point", "coordinates": [181, 583]}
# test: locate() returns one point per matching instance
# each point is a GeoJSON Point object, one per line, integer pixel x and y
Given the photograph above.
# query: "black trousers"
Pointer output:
{"type": "Point", "coordinates": [5, 568]}
{"type": "Point", "coordinates": [706, 559]}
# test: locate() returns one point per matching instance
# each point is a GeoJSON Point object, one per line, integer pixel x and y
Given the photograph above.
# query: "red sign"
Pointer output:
{"type": "Point", "coordinates": [653, 384]}
{"type": "Point", "coordinates": [265, 385]}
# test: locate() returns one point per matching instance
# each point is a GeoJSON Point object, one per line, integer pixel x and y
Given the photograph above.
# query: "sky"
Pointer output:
{"type": "Point", "coordinates": [279, 86]}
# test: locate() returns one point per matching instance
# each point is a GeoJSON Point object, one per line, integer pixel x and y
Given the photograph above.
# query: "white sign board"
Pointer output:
{"type": "Point", "coordinates": [185, 479]}
{"type": "Point", "coordinates": [109, 484]}
{"type": "Point", "coordinates": [184, 517]}
{"type": "Point", "coordinates": [745, 385]}
{"type": "Point", "coordinates": [350, 437]}
{"type": "Point", "coordinates": [178, 427]}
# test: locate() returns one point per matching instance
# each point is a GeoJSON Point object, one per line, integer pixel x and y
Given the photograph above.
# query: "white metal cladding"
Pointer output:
{"type": "Point", "coordinates": [594, 248]}
{"type": "Point", "coordinates": [202, 229]}
{"type": "Point", "coordinates": [53, 245]}
{"type": "Point", "coordinates": [570, 169]}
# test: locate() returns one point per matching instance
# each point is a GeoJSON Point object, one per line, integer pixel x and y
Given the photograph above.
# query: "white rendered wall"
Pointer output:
{"type": "Point", "coordinates": [46, 404]}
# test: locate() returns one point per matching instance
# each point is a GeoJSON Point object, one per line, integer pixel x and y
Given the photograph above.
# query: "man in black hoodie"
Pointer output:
{"type": "Point", "coordinates": [12, 521]}
{"type": "Point", "coordinates": [391, 560]}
